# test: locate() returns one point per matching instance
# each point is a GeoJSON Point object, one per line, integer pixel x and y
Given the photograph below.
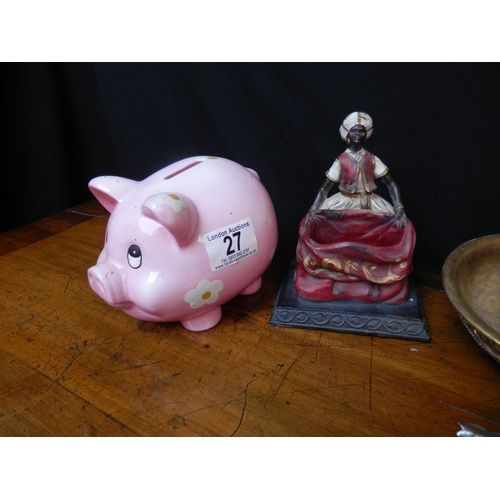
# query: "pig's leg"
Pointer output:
{"type": "Point", "coordinates": [202, 320]}
{"type": "Point", "coordinates": [252, 288]}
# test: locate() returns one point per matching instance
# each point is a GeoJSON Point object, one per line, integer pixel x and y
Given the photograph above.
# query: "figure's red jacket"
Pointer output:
{"type": "Point", "coordinates": [350, 169]}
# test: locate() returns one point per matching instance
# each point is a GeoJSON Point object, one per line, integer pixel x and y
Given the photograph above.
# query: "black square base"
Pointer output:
{"type": "Point", "coordinates": [399, 321]}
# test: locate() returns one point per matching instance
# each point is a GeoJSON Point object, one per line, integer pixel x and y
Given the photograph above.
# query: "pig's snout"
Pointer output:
{"type": "Point", "coordinates": [109, 283]}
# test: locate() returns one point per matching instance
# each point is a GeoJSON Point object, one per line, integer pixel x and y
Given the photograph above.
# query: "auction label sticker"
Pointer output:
{"type": "Point", "coordinates": [230, 244]}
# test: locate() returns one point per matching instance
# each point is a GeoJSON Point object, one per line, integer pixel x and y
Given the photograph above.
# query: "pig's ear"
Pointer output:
{"type": "Point", "coordinates": [174, 211]}
{"type": "Point", "coordinates": [109, 190]}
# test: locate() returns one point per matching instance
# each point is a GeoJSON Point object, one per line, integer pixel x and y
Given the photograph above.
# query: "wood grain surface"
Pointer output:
{"type": "Point", "coordinates": [70, 365]}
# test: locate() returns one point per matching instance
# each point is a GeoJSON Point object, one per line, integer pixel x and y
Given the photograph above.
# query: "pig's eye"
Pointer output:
{"type": "Point", "coordinates": [134, 256]}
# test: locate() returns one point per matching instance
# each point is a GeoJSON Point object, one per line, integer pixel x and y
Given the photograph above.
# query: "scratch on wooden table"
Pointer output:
{"type": "Point", "coordinates": [22, 321]}
{"type": "Point", "coordinates": [138, 366]}
{"type": "Point", "coordinates": [388, 412]}
{"type": "Point", "coordinates": [17, 285]}
{"type": "Point", "coordinates": [285, 375]}
{"type": "Point", "coordinates": [438, 400]}
{"type": "Point", "coordinates": [67, 284]}
{"type": "Point", "coordinates": [245, 394]}
{"type": "Point", "coordinates": [310, 390]}
{"type": "Point", "coordinates": [370, 379]}
{"type": "Point", "coordinates": [63, 306]}
{"type": "Point", "coordinates": [135, 417]}
{"type": "Point", "coordinates": [48, 361]}
{"type": "Point", "coordinates": [278, 368]}
{"type": "Point", "coordinates": [68, 366]}
{"type": "Point", "coordinates": [482, 402]}
{"type": "Point", "coordinates": [221, 404]}
{"type": "Point", "coordinates": [318, 345]}
{"type": "Point", "coordinates": [182, 403]}
{"type": "Point", "coordinates": [266, 337]}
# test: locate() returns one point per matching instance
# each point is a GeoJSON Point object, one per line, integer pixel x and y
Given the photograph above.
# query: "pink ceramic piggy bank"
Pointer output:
{"type": "Point", "coordinates": [184, 241]}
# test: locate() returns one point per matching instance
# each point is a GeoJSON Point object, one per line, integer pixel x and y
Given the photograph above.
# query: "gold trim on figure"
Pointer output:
{"type": "Point", "coordinates": [333, 268]}
{"type": "Point", "coordinates": [391, 277]}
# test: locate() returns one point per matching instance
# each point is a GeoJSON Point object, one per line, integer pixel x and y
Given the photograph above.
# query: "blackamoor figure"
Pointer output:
{"type": "Point", "coordinates": [355, 245]}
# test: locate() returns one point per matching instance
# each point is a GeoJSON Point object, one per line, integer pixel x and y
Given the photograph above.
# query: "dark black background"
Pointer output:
{"type": "Point", "coordinates": [436, 126]}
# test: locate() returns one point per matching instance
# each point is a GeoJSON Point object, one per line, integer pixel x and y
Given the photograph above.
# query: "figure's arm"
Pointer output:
{"type": "Point", "coordinates": [394, 194]}
{"type": "Point", "coordinates": [322, 194]}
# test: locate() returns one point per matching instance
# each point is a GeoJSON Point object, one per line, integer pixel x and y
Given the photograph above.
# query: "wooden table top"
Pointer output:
{"type": "Point", "coordinates": [70, 365]}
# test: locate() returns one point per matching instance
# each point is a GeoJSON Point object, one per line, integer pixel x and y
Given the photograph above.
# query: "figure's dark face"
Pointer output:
{"type": "Point", "coordinates": [357, 134]}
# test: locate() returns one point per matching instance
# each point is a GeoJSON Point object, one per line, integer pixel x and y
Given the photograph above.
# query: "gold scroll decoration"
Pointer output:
{"type": "Point", "coordinates": [333, 268]}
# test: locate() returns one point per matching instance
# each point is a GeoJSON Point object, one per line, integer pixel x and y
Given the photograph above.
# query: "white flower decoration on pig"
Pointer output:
{"type": "Point", "coordinates": [173, 200]}
{"type": "Point", "coordinates": [206, 292]}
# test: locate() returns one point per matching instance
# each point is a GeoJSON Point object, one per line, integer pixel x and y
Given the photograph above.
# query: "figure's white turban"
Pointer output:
{"type": "Point", "coordinates": [356, 118]}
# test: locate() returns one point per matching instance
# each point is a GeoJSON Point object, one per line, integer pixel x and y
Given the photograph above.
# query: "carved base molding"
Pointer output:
{"type": "Point", "coordinates": [401, 321]}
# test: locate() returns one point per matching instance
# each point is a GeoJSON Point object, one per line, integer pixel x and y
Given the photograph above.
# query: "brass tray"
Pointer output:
{"type": "Point", "coordinates": [471, 279]}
